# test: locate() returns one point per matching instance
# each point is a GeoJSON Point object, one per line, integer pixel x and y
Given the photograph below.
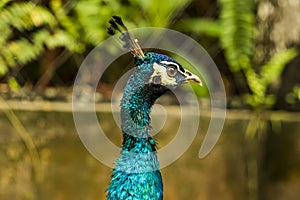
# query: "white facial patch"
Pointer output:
{"type": "Point", "coordinates": [174, 64]}
{"type": "Point", "coordinates": [161, 72]}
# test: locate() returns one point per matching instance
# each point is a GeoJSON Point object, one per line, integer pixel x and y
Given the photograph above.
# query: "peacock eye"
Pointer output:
{"type": "Point", "coordinates": [171, 70]}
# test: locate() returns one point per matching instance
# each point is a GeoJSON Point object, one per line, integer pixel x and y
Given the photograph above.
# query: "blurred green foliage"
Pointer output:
{"type": "Point", "coordinates": [237, 24]}
{"type": "Point", "coordinates": [294, 96]}
{"type": "Point", "coordinates": [270, 72]}
{"type": "Point", "coordinates": [28, 30]}
{"type": "Point", "coordinates": [235, 30]}
{"type": "Point", "coordinates": [237, 38]}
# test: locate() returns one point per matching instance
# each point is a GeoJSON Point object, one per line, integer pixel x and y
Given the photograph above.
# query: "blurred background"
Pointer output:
{"type": "Point", "coordinates": [255, 45]}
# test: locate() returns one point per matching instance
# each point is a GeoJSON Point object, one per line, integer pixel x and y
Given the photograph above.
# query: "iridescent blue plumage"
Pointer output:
{"type": "Point", "coordinates": [136, 175]}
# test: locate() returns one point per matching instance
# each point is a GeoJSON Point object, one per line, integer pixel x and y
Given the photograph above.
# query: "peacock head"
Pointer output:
{"type": "Point", "coordinates": [153, 68]}
{"type": "Point", "coordinates": [164, 70]}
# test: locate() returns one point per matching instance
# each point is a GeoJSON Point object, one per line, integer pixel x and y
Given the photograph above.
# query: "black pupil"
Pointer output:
{"type": "Point", "coordinates": [171, 71]}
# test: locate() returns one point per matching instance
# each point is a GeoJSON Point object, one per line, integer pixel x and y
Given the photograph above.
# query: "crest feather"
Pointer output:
{"type": "Point", "coordinates": [130, 42]}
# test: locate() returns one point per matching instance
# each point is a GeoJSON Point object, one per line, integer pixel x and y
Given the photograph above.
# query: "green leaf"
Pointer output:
{"type": "Point", "coordinates": [237, 21]}
{"type": "Point", "coordinates": [26, 16]}
{"type": "Point", "coordinates": [3, 68]}
{"type": "Point", "coordinates": [4, 3]}
{"type": "Point", "coordinates": [272, 69]}
{"type": "Point", "coordinates": [13, 84]}
{"type": "Point", "coordinates": [158, 12]}
{"type": "Point", "coordinates": [200, 26]}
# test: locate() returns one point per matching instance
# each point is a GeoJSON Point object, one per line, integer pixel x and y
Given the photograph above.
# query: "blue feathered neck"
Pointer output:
{"type": "Point", "coordinates": [139, 97]}
{"type": "Point", "coordinates": [136, 175]}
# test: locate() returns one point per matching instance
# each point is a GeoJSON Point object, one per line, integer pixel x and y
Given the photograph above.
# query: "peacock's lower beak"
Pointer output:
{"type": "Point", "coordinates": [192, 77]}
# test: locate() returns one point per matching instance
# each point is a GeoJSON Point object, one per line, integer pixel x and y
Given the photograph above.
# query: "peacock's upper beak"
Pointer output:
{"type": "Point", "coordinates": [192, 77]}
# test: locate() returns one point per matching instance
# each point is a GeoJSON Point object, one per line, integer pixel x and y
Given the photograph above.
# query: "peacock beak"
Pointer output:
{"type": "Point", "coordinates": [192, 77]}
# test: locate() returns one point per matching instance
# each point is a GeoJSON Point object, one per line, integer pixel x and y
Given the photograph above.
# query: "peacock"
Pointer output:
{"type": "Point", "coordinates": [136, 175]}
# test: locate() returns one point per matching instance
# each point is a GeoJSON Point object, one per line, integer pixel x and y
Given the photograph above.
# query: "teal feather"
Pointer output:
{"type": "Point", "coordinates": [136, 175]}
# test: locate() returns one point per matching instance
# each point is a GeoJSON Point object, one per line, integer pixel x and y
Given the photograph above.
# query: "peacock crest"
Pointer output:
{"type": "Point", "coordinates": [130, 42]}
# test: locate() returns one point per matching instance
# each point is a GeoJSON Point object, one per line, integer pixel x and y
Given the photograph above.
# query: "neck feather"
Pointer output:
{"type": "Point", "coordinates": [136, 173]}
{"type": "Point", "coordinates": [138, 148]}
{"type": "Point", "coordinates": [136, 107]}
